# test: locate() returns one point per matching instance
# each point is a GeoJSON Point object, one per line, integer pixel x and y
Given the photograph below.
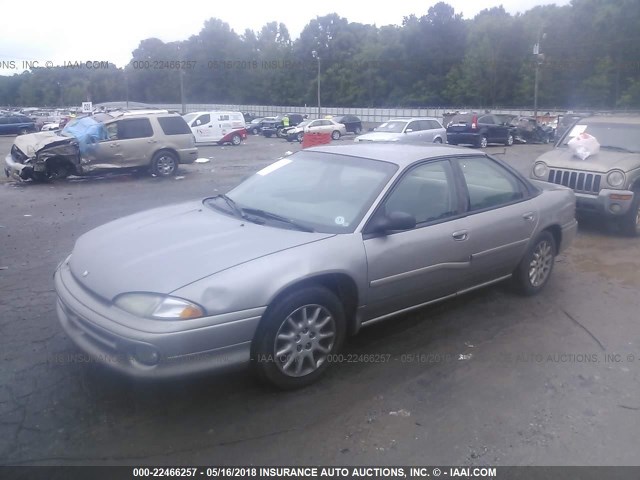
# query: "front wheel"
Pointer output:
{"type": "Point", "coordinates": [358, 130]}
{"type": "Point", "coordinates": [164, 164]}
{"type": "Point", "coordinates": [437, 140]}
{"type": "Point", "coordinates": [630, 223]}
{"type": "Point", "coordinates": [536, 266]}
{"type": "Point", "coordinates": [297, 337]}
{"type": "Point", "coordinates": [299, 137]}
{"type": "Point", "coordinates": [335, 135]}
{"type": "Point", "coordinates": [23, 131]}
{"type": "Point", "coordinates": [254, 131]}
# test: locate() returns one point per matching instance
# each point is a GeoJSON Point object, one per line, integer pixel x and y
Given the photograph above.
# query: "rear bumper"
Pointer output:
{"type": "Point", "coordinates": [569, 231]}
{"type": "Point", "coordinates": [188, 155]}
{"type": "Point", "coordinates": [464, 138]}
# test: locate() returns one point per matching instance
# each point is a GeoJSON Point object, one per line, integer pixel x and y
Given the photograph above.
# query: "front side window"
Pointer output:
{"type": "Point", "coordinates": [489, 184]}
{"type": "Point", "coordinates": [414, 126]}
{"type": "Point", "coordinates": [202, 120]}
{"type": "Point", "coordinates": [425, 192]}
{"type": "Point", "coordinates": [326, 192]}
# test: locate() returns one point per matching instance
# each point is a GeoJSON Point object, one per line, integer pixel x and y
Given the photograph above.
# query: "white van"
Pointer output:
{"type": "Point", "coordinates": [217, 127]}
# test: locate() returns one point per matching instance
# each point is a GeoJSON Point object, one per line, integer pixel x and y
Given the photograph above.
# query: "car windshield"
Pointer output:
{"type": "Point", "coordinates": [303, 124]}
{"type": "Point", "coordinates": [617, 136]}
{"type": "Point", "coordinates": [393, 127]}
{"type": "Point", "coordinates": [323, 192]}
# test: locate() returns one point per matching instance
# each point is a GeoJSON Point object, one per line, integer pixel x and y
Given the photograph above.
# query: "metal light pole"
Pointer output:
{"type": "Point", "coordinates": [317, 57]}
{"type": "Point", "coordinates": [539, 59]}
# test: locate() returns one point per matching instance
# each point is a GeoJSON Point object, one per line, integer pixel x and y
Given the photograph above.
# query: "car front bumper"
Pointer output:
{"type": "Point", "coordinates": [161, 349]}
{"type": "Point", "coordinates": [613, 203]}
{"type": "Point", "coordinates": [14, 169]}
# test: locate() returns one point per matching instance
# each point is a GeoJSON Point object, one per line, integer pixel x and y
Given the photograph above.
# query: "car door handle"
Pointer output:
{"type": "Point", "coordinates": [529, 216]}
{"type": "Point", "coordinates": [460, 236]}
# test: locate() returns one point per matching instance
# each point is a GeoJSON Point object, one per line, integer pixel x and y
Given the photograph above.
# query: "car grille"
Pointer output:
{"type": "Point", "coordinates": [578, 181]}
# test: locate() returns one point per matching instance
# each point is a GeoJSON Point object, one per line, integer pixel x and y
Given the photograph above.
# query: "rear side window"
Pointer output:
{"type": "Point", "coordinates": [489, 184]}
{"type": "Point", "coordinates": [173, 125]}
{"type": "Point", "coordinates": [134, 128]}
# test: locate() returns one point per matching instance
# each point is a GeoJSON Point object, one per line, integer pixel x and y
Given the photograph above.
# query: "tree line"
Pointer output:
{"type": "Point", "coordinates": [589, 57]}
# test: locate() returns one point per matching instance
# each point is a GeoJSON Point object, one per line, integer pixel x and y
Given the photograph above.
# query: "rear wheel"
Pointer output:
{"type": "Point", "coordinates": [358, 130]}
{"type": "Point", "coordinates": [254, 130]}
{"type": "Point", "coordinates": [509, 141]}
{"type": "Point", "coordinates": [236, 140]}
{"type": "Point", "coordinates": [482, 142]}
{"type": "Point", "coordinates": [23, 131]}
{"type": "Point", "coordinates": [536, 266]}
{"type": "Point", "coordinates": [164, 164]}
{"type": "Point", "coordinates": [437, 140]}
{"type": "Point", "coordinates": [335, 135]}
{"type": "Point", "coordinates": [296, 338]}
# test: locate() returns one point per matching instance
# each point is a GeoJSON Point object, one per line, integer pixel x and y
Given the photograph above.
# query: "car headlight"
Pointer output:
{"type": "Point", "coordinates": [540, 170]}
{"type": "Point", "coordinates": [616, 178]}
{"type": "Point", "coordinates": [160, 307]}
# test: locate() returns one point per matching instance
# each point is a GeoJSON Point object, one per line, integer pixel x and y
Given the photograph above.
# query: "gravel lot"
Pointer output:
{"type": "Point", "coordinates": [502, 380]}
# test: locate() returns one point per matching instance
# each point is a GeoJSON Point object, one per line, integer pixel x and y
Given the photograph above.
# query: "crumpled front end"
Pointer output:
{"type": "Point", "coordinates": [29, 156]}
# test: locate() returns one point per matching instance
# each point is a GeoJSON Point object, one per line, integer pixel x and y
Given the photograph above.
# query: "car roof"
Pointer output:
{"type": "Point", "coordinates": [625, 119]}
{"type": "Point", "coordinates": [407, 119]}
{"type": "Point", "coordinates": [398, 154]}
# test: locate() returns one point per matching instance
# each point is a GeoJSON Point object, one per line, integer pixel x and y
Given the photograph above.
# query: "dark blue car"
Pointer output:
{"type": "Point", "coordinates": [16, 125]}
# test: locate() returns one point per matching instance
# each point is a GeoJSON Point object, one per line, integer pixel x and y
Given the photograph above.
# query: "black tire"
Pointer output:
{"type": "Point", "coordinates": [281, 370]}
{"type": "Point", "coordinates": [300, 137]}
{"type": "Point", "coordinates": [236, 140]}
{"type": "Point", "coordinates": [335, 135]}
{"type": "Point", "coordinates": [280, 134]}
{"type": "Point", "coordinates": [357, 130]}
{"type": "Point", "coordinates": [254, 130]}
{"type": "Point", "coordinates": [23, 131]}
{"type": "Point", "coordinates": [630, 223]}
{"type": "Point", "coordinates": [482, 142]}
{"type": "Point", "coordinates": [537, 262]}
{"type": "Point", "coordinates": [437, 140]}
{"type": "Point", "coordinates": [509, 141]}
{"type": "Point", "coordinates": [164, 164]}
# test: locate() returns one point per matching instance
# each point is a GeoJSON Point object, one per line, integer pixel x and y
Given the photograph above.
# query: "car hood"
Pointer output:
{"type": "Point", "coordinates": [603, 161]}
{"type": "Point", "coordinates": [379, 137]}
{"type": "Point", "coordinates": [32, 143]}
{"type": "Point", "coordinates": [164, 249]}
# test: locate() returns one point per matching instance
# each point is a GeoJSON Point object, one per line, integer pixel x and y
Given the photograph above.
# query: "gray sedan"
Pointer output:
{"type": "Point", "coordinates": [279, 271]}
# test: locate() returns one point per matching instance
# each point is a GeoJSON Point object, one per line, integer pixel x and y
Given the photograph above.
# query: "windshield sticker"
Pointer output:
{"type": "Point", "coordinates": [340, 221]}
{"type": "Point", "coordinates": [577, 130]}
{"type": "Point", "coordinates": [274, 166]}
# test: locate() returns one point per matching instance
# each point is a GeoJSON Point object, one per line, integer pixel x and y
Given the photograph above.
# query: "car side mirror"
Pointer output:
{"type": "Point", "coordinates": [393, 221]}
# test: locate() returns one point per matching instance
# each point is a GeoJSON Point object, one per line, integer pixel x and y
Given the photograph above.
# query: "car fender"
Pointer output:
{"type": "Point", "coordinates": [259, 282]}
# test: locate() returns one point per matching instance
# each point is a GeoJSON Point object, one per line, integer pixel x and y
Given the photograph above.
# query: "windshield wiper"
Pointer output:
{"type": "Point", "coordinates": [279, 218]}
{"type": "Point", "coordinates": [236, 210]}
{"type": "Point", "coordinates": [620, 149]}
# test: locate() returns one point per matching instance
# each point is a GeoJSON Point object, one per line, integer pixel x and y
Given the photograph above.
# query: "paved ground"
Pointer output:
{"type": "Point", "coordinates": [503, 380]}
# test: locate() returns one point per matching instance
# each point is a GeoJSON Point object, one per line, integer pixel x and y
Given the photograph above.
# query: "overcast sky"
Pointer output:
{"type": "Point", "coordinates": [46, 31]}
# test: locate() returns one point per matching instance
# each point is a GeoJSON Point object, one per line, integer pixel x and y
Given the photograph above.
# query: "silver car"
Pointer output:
{"type": "Point", "coordinates": [407, 130]}
{"type": "Point", "coordinates": [279, 271]}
